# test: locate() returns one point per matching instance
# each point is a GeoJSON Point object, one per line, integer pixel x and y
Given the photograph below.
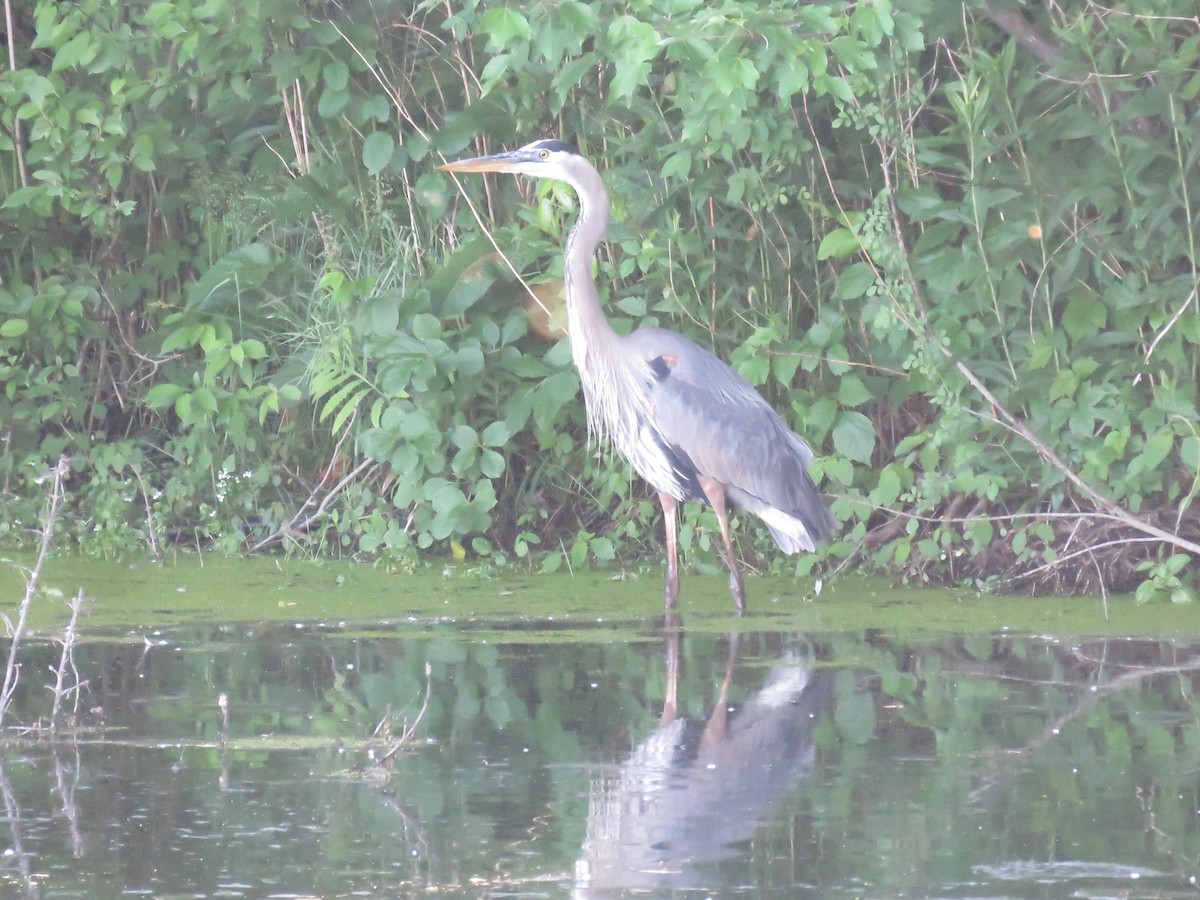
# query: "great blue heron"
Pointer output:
{"type": "Point", "coordinates": [688, 424]}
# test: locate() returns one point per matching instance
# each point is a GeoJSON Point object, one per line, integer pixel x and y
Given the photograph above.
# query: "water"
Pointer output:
{"type": "Point", "coordinates": [706, 756]}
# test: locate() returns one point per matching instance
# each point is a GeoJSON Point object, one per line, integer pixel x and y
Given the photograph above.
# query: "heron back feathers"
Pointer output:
{"type": "Point", "coordinates": [703, 418]}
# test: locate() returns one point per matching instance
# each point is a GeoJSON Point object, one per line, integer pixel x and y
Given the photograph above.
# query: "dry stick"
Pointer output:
{"type": "Point", "coordinates": [1083, 551]}
{"type": "Point", "coordinates": [1002, 415]}
{"type": "Point", "coordinates": [410, 729]}
{"type": "Point", "coordinates": [1099, 692]}
{"type": "Point", "coordinates": [154, 549]}
{"type": "Point", "coordinates": [292, 525]}
{"type": "Point", "coordinates": [18, 141]}
{"type": "Point", "coordinates": [1008, 420]}
{"type": "Point", "coordinates": [6, 441]}
{"type": "Point", "coordinates": [12, 670]}
{"type": "Point", "coordinates": [1162, 333]}
{"type": "Point", "coordinates": [302, 526]}
{"type": "Point", "coordinates": [67, 661]}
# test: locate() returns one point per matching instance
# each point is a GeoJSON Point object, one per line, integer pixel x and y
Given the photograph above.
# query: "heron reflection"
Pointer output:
{"type": "Point", "coordinates": [692, 791]}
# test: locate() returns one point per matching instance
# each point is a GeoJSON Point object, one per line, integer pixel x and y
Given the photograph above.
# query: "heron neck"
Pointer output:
{"type": "Point", "coordinates": [613, 379]}
{"type": "Point", "coordinates": [587, 321]}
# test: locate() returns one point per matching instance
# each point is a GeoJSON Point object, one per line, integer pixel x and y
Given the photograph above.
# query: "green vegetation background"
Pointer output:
{"type": "Point", "coordinates": [955, 244]}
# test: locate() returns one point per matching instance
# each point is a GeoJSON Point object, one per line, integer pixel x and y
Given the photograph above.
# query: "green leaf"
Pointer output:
{"type": "Point", "coordinates": [491, 464]}
{"type": "Point", "coordinates": [496, 434]}
{"type": "Point", "coordinates": [254, 348]}
{"type": "Point", "coordinates": [678, 165]}
{"type": "Point", "coordinates": [793, 78]}
{"type": "Point", "coordinates": [22, 196]}
{"type": "Point", "coordinates": [467, 361]}
{"type": "Point", "coordinates": [225, 281]}
{"type": "Point", "coordinates": [633, 44]}
{"type": "Point", "coordinates": [336, 74]}
{"type": "Point", "coordinates": [503, 26]}
{"type": "Point", "coordinates": [464, 437]}
{"type": "Point", "coordinates": [1155, 450]}
{"type": "Point", "coordinates": [1084, 316]}
{"type": "Point", "coordinates": [163, 395]}
{"type": "Point", "coordinates": [377, 151]}
{"type": "Point", "coordinates": [852, 391]}
{"type": "Point", "coordinates": [1189, 452]}
{"type": "Point", "coordinates": [13, 328]}
{"type": "Point", "coordinates": [183, 408]}
{"type": "Point", "coordinates": [729, 74]}
{"type": "Point", "coordinates": [755, 368]}
{"type": "Point", "coordinates": [887, 489]}
{"type": "Point", "coordinates": [377, 107]}
{"type": "Point", "coordinates": [80, 49]}
{"type": "Point", "coordinates": [444, 495]}
{"type": "Point", "coordinates": [38, 88]}
{"type": "Point", "coordinates": [854, 281]}
{"type": "Point", "coordinates": [603, 550]}
{"type": "Point", "coordinates": [378, 316]}
{"type": "Point", "coordinates": [426, 327]}
{"type": "Point", "coordinates": [332, 102]}
{"type": "Point", "coordinates": [854, 436]}
{"type": "Point", "coordinates": [839, 243]}
{"type": "Point", "coordinates": [347, 410]}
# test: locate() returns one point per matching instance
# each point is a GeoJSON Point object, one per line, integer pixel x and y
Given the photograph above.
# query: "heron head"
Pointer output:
{"type": "Point", "coordinates": [546, 158]}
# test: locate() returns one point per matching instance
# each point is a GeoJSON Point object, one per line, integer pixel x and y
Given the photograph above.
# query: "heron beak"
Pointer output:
{"type": "Point", "coordinates": [497, 162]}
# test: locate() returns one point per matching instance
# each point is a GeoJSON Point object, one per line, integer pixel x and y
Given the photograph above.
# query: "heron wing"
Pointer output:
{"type": "Point", "coordinates": [712, 418]}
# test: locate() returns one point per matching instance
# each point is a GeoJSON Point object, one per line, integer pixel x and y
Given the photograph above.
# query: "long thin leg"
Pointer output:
{"type": "Point", "coordinates": [715, 492]}
{"type": "Point", "coordinates": [671, 589]}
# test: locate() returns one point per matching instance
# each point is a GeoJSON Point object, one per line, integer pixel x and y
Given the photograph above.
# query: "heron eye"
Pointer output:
{"type": "Point", "coordinates": [543, 154]}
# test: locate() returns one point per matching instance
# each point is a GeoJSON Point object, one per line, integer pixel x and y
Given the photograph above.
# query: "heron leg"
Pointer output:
{"type": "Point", "coordinates": [715, 492]}
{"type": "Point", "coordinates": [669, 507]}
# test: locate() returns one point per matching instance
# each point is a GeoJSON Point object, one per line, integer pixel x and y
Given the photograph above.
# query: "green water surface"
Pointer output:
{"type": "Point", "coordinates": [280, 728]}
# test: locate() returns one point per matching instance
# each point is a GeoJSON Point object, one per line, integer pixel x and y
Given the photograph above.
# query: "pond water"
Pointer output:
{"type": "Point", "coordinates": [703, 755]}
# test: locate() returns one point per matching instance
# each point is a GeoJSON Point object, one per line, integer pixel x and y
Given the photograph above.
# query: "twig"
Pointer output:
{"type": "Point", "coordinates": [18, 141]}
{"type": "Point", "coordinates": [410, 728]}
{"type": "Point", "coordinates": [1162, 333]}
{"type": "Point", "coordinates": [1089, 550]}
{"type": "Point", "coordinates": [66, 662]}
{"type": "Point", "coordinates": [150, 536]}
{"type": "Point", "coordinates": [1012, 423]}
{"type": "Point", "coordinates": [296, 525]}
{"type": "Point", "coordinates": [12, 669]}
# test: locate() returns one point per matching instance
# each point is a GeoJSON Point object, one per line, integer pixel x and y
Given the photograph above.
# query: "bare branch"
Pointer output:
{"type": "Point", "coordinates": [12, 670]}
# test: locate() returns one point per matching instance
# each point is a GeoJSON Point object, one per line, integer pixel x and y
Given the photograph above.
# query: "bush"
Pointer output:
{"type": "Point", "coordinates": [238, 295]}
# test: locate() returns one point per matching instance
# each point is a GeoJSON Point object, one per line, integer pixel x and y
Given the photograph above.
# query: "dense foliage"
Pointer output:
{"type": "Point", "coordinates": [954, 244]}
